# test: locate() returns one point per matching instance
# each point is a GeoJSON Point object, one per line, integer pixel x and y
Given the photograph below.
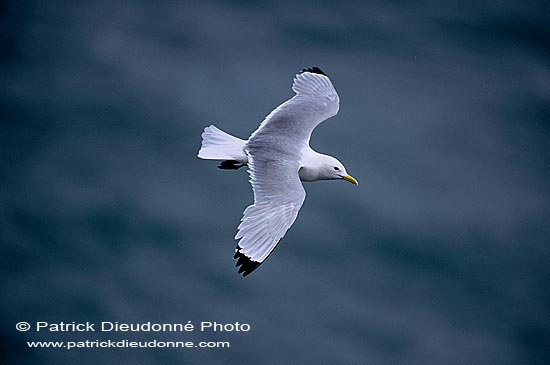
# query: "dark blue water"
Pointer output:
{"type": "Point", "coordinates": [440, 256]}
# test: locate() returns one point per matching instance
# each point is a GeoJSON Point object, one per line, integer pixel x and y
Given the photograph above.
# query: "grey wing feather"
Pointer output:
{"type": "Point", "coordinates": [315, 101]}
{"type": "Point", "coordinates": [278, 196]}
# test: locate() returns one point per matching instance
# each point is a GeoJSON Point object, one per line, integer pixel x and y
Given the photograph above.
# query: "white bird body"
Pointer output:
{"type": "Point", "coordinates": [278, 156]}
{"type": "Point", "coordinates": [218, 145]}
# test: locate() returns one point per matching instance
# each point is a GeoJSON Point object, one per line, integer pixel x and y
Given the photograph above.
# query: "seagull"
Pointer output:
{"type": "Point", "coordinates": [278, 157]}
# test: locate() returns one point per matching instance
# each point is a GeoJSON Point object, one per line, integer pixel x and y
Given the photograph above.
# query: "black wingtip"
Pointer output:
{"type": "Point", "coordinates": [230, 165]}
{"type": "Point", "coordinates": [246, 264]}
{"type": "Point", "coordinates": [315, 70]}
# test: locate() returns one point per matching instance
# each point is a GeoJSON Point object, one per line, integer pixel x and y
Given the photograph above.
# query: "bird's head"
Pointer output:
{"type": "Point", "coordinates": [332, 169]}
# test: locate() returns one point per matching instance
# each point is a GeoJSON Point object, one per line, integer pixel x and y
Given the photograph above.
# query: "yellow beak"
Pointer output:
{"type": "Point", "coordinates": [351, 179]}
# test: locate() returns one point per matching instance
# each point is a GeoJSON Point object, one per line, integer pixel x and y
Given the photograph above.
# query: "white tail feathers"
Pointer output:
{"type": "Point", "coordinates": [218, 145]}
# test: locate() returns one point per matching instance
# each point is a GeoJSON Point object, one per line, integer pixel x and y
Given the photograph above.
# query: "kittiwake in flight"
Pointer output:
{"type": "Point", "coordinates": [278, 157]}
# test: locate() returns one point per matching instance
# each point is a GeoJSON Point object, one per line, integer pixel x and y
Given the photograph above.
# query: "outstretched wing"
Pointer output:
{"type": "Point", "coordinates": [274, 157]}
{"type": "Point", "coordinates": [315, 101]}
{"type": "Point", "coordinates": [278, 196]}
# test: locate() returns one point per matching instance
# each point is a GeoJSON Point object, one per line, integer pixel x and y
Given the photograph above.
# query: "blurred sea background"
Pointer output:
{"type": "Point", "coordinates": [440, 256]}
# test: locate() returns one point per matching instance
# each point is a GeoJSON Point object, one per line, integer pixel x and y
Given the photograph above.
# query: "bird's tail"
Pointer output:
{"type": "Point", "coordinates": [218, 145]}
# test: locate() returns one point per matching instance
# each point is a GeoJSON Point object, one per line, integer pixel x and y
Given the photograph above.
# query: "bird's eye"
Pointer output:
{"type": "Point", "coordinates": [336, 168]}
